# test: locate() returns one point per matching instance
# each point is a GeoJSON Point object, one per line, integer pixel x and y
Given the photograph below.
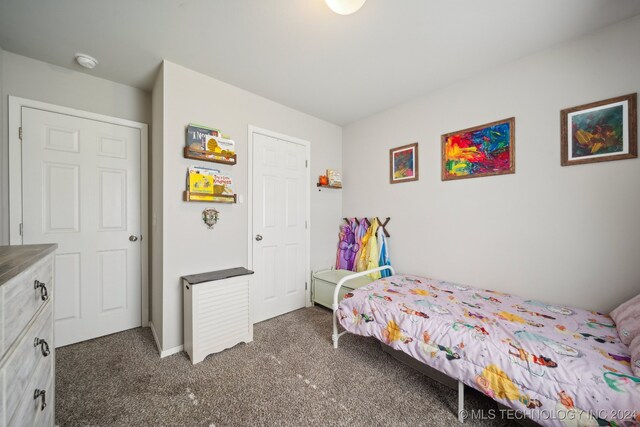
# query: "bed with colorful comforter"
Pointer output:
{"type": "Point", "coordinates": [557, 365]}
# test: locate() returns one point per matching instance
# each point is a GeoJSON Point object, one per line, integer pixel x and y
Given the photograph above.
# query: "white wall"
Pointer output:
{"type": "Point", "coordinates": [37, 80]}
{"type": "Point", "coordinates": [567, 235]}
{"type": "Point", "coordinates": [156, 190]}
{"type": "Point", "coordinates": [191, 97]}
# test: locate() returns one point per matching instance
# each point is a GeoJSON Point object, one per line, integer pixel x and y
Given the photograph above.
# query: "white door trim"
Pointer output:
{"type": "Point", "coordinates": [15, 178]}
{"type": "Point", "coordinates": [307, 268]}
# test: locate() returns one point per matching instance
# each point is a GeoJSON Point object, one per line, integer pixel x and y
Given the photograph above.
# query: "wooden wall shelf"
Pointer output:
{"type": "Point", "coordinates": [328, 186]}
{"type": "Point", "coordinates": [189, 197]}
{"type": "Point", "coordinates": [205, 156]}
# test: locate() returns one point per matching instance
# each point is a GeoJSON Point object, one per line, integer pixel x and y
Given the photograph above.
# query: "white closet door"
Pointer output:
{"type": "Point", "coordinates": [279, 213]}
{"type": "Point", "coordinates": [81, 190]}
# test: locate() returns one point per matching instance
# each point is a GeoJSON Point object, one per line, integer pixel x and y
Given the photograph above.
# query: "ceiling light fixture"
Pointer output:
{"type": "Point", "coordinates": [344, 7]}
{"type": "Point", "coordinates": [86, 61]}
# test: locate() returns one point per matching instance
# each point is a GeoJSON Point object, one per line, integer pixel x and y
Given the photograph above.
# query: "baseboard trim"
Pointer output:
{"type": "Point", "coordinates": [171, 351]}
{"type": "Point", "coordinates": [163, 353]}
{"type": "Point", "coordinates": [155, 338]}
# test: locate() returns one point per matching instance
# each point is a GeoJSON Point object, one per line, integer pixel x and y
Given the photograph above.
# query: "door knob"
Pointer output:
{"type": "Point", "coordinates": [133, 238]}
{"type": "Point", "coordinates": [258, 237]}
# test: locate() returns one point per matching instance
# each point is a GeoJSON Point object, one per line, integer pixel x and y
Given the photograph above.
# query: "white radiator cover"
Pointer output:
{"type": "Point", "coordinates": [217, 316]}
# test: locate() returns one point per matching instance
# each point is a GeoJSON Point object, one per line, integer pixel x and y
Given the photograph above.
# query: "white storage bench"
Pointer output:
{"type": "Point", "coordinates": [325, 281]}
{"type": "Point", "coordinates": [217, 311]}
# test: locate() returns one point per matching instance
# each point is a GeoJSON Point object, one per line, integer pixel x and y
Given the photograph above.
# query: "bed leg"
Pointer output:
{"type": "Point", "coordinates": [335, 335]}
{"type": "Point", "coordinates": [461, 412]}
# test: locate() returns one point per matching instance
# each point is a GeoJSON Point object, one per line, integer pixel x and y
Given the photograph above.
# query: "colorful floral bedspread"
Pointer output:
{"type": "Point", "coordinates": [557, 365]}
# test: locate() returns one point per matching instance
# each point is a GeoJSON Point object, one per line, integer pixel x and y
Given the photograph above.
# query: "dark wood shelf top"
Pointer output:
{"type": "Point", "coordinates": [194, 279]}
{"type": "Point", "coordinates": [328, 186]}
{"type": "Point", "coordinates": [195, 154]}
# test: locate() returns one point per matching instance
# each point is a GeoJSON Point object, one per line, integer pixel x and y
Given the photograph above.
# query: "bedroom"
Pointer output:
{"type": "Point", "coordinates": [348, 93]}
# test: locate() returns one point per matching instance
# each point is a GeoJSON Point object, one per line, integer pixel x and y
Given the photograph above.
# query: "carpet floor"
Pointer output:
{"type": "Point", "coordinates": [289, 375]}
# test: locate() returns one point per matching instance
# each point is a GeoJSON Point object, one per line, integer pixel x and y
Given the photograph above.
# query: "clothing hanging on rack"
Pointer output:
{"type": "Point", "coordinates": [383, 258]}
{"type": "Point", "coordinates": [361, 232]}
{"type": "Point", "coordinates": [371, 253]}
{"type": "Point", "coordinates": [347, 248]}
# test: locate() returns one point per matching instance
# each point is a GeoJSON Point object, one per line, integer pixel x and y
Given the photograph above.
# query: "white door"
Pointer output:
{"type": "Point", "coordinates": [279, 226]}
{"type": "Point", "coordinates": [81, 190]}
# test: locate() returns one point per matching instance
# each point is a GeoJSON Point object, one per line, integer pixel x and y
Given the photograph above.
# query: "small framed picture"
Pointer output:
{"type": "Point", "coordinates": [600, 131]}
{"type": "Point", "coordinates": [403, 163]}
{"type": "Point", "coordinates": [483, 150]}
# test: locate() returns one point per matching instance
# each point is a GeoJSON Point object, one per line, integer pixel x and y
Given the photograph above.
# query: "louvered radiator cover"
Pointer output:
{"type": "Point", "coordinates": [217, 316]}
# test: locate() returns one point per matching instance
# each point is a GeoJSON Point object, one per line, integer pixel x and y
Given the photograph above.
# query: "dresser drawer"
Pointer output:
{"type": "Point", "coordinates": [21, 300]}
{"type": "Point", "coordinates": [26, 358]}
{"type": "Point", "coordinates": [30, 408]}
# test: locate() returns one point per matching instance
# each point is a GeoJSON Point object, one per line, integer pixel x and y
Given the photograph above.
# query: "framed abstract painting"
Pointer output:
{"type": "Point", "coordinates": [483, 150]}
{"type": "Point", "coordinates": [600, 131]}
{"type": "Point", "coordinates": [403, 163]}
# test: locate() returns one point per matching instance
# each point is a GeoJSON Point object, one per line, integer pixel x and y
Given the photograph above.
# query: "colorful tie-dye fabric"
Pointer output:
{"type": "Point", "coordinates": [558, 365]}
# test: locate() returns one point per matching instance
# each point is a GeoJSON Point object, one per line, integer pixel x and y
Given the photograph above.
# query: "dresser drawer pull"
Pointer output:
{"type": "Point", "coordinates": [43, 289]}
{"type": "Point", "coordinates": [41, 394]}
{"type": "Point", "coordinates": [44, 346]}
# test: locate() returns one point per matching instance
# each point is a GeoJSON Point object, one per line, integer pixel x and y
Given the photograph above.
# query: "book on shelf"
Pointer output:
{"type": "Point", "coordinates": [197, 134]}
{"type": "Point", "coordinates": [334, 178]}
{"type": "Point", "coordinates": [219, 146]}
{"type": "Point", "coordinates": [209, 143]}
{"type": "Point", "coordinates": [208, 182]}
{"type": "Point", "coordinates": [200, 180]}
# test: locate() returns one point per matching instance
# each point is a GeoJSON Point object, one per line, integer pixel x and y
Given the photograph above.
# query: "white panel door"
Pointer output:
{"type": "Point", "coordinates": [279, 213]}
{"type": "Point", "coordinates": [81, 190]}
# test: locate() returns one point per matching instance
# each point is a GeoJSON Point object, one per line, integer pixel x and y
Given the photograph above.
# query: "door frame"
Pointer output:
{"type": "Point", "coordinates": [307, 268]}
{"type": "Point", "coordinates": [15, 179]}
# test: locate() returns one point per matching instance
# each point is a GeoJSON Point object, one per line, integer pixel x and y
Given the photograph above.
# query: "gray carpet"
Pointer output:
{"type": "Point", "coordinates": [289, 375]}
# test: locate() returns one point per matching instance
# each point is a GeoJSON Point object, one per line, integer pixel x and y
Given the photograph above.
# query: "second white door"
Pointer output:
{"type": "Point", "coordinates": [81, 190]}
{"type": "Point", "coordinates": [279, 226]}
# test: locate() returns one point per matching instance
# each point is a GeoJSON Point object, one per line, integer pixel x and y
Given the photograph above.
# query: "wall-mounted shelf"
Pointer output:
{"type": "Point", "coordinates": [321, 186]}
{"type": "Point", "coordinates": [207, 156]}
{"type": "Point", "coordinates": [192, 197]}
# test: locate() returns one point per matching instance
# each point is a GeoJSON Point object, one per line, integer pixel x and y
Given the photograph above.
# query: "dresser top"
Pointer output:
{"type": "Point", "coordinates": [15, 259]}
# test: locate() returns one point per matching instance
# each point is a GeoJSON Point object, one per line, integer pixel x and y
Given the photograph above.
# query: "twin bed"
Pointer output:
{"type": "Point", "coordinates": [556, 365]}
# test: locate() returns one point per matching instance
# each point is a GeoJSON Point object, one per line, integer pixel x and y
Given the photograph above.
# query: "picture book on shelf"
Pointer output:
{"type": "Point", "coordinates": [197, 134]}
{"type": "Point", "coordinates": [334, 178]}
{"type": "Point", "coordinates": [219, 145]}
{"type": "Point", "coordinates": [201, 180]}
{"type": "Point", "coordinates": [207, 183]}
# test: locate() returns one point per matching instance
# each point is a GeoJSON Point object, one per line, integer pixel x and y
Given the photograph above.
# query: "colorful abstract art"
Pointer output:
{"type": "Point", "coordinates": [600, 131]}
{"type": "Point", "coordinates": [479, 151]}
{"type": "Point", "coordinates": [403, 163]}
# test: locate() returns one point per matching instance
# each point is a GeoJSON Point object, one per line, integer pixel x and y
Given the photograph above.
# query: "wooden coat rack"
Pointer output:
{"type": "Point", "coordinates": [383, 225]}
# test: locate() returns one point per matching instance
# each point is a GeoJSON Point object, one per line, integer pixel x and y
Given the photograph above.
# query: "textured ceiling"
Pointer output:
{"type": "Point", "coordinates": [298, 52]}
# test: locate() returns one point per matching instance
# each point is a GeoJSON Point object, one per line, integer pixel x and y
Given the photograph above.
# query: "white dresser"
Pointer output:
{"type": "Point", "coordinates": [217, 311]}
{"type": "Point", "coordinates": [27, 353]}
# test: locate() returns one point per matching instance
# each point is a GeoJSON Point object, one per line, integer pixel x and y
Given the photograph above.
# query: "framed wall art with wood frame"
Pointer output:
{"type": "Point", "coordinates": [483, 150]}
{"type": "Point", "coordinates": [600, 131]}
{"type": "Point", "coordinates": [403, 163]}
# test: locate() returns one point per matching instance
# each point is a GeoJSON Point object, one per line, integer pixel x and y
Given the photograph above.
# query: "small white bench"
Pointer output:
{"type": "Point", "coordinates": [324, 284]}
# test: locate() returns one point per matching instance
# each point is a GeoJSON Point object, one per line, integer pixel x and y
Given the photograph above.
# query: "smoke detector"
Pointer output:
{"type": "Point", "coordinates": [86, 61]}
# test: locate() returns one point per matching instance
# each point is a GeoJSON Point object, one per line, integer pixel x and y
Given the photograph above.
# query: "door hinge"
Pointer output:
{"type": "Point", "coordinates": [306, 162]}
{"type": "Point", "coordinates": [21, 229]}
{"type": "Point", "coordinates": [305, 285]}
{"type": "Point", "coordinates": [20, 133]}
{"type": "Point", "coordinates": [306, 225]}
